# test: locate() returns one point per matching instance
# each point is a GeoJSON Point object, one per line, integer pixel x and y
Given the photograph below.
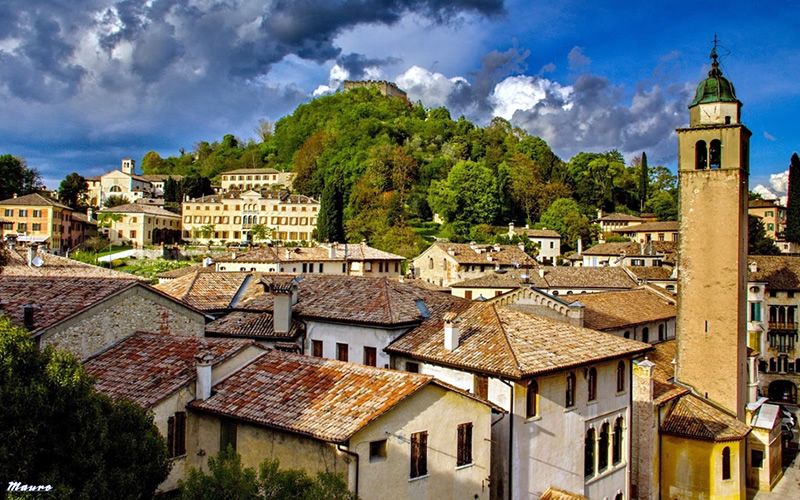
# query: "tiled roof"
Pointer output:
{"type": "Point", "coordinates": [321, 253]}
{"type": "Point", "coordinates": [55, 299]}
{"type": "Point", "coordinates": [780, 272]}
{"type": "Point", "coordinates": [183, 271]}
{"type": "Point", "coordinates": [616, 216]}
{"type": "Point", "coordinates": [695, 418]}
{"type": "Point", "coordinates": [503, 280]}
{"type": "Point", "coordinates": [55, 266]}
{"type": "Point", "coordinates": [209, 291]}
{"type": "Point", "coordinates": [588, 277]}
{"type": "Point", "coordinates": [613, 310]}
{"type": "Point", "coordinates": [251, 325]}
{"type": "Point", "coordinates": [420, 283]}
{"type": "Point", "coordinates": [83, 218]}
{"type": "Point", "coordinates": [138, 208]}
{"type": "Point", "coordinates": [148, 367]}
{"type": "Point", "coordinates": [33, 200]}
{"type": "Point", "coordinates": [650, 227]}
{"type": "Point", "coordinates": [252, 171]}
{"type": "Point", "coordinates": [556, 494]}
{"type": "Point", "coordinates": [764, 204]}
{"type": "Point", "coordinates": [651, 273]}
{"type": "Point", "coordinates": [615, 249]}
{"type": "Point", "coordinates": [464, 254]}
{"type": "Point", "coordinates": [537, 233]}
{"type": "Point", "coordinates": [663, 357]}
{"type": "Point", "coordinates": [507, 342]}
{"type": "Point", "coordinates": [325, 399]}
{"type": "Point", "coordinates": [160, 177]}
{"type": "Point", "coordinates": [353, 299]}
{"type": "Point", "coordinates": [266, 194]}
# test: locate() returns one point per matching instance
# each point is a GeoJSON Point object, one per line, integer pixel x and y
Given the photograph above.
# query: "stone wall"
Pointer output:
{"type": "Point", "coordinates": [135, 309]}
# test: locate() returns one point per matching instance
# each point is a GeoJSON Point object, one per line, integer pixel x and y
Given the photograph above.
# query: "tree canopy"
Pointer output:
{"type": "Point", "coordinates": [55, 429]}
{"type": "Point", "coordinates": [17, 178]}
{"type": "Point", "coordinates": [793, 205]}
{"type": "Point", "coordinates": [72, 190]}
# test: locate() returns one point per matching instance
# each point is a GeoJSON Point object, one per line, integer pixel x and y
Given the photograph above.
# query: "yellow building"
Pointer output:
{"type": "Point", "coordinates": [245, 179]}
{"type": "Point", "coordinates": [140, 225]}
{"type": "Point", "coordinates": [229, 217]}
{"type": "Point", "coordinates": [37, 219]}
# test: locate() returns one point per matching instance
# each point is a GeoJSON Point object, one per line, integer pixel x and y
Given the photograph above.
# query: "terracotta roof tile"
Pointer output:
{"type": "Point", "coordinates": [209, 291]}
{"type": "Point", "coordinates": [148, 367]}
{"type": "Point", "coordinates": [183, 271]}
{"type": "Point", "coordinates": [663, 356]}
{"type": "Point", "coordinates": [537, 233]}
{"type": "Point", "coordinates": [319, 253]}
{"type": "Point", "coordinates": [669, 225]}
{"type": "Point", "coordinates": [780, 272]}
{"type": "Point", "coordinates": [588, 277]}
{"type": "Point", "coordinates": [695, 418]}
{"type": "Point", "coordinates": [325, 399]}
{"type": "Point", "coordinates": [615, 249]}
{"type": "Point", "coordinates": [251, 325]}
{"type": "Point", "coordinates": [507, 342]}
{"type": "Point", "coordinates": [555, 494]}
{"type": "Point", "coordinates": [616, 216]}
{"type": "Point", "coordinates": [651, 273]}
{"type": "Point", "coordinates": [139, 208]}
{"type": "Point", "coordinates": [465, 253]}
{"type": "Point", "coordinates": [764, 204]}
{"type": "Point", "coordinates": [33, 200]}
{"type": "Point", "coordinates": [55, 299]}
{"type": "Point", "coordinates": [613, 310]}
{"type": "Point", "coordinates": [54, 266]}
{"type": "Point", "coordinates": [503, 280]}
{"type": "Point", "coordinates": [420, 283]}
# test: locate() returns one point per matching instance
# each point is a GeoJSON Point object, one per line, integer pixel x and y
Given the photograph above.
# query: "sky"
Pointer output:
{"type": "Point", "coordinates": [85, 84]}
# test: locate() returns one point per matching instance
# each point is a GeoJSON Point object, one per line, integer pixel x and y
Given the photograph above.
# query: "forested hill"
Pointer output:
{"type": "Point", "coordinates": [381, 165]}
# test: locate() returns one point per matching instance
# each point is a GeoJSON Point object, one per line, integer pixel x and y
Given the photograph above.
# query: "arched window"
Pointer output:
{"type": "Point", "coordinates": [602, 445]}
{"type": "Point", "coordinates": [430, 263]}
{"type": "Point", "coordinates": [700, 155]}
{"type": "Point", "coordinates": [645, 334]}
{"type": "Point", "coordinates": [532, 399]}
{"type": "Point", "coordinates": [618, 497]}
{"type": "Point", "coordinates": [115, 189]}
{"type": "Point", "coordinates": [592, 384]}
{"type": "Point", "coordinates": [616, 450]}
{"type": "Point", "coordinates": [726, 463]}
{"type": "Point", "coordinates": [588, 454]}
{"type": "Point", "coordinates": [570, 392]}
{"type": "Point", "coordinates": [715, 154]}
{"type": "Point", "coordinates": [660, 332]}
{"type": "Point", "coordinates": [620, 376]}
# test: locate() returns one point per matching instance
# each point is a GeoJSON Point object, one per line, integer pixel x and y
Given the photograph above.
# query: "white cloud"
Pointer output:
{"type": "Point", "coordinates": [764, 192]}
{"type": "Point", "coordinates": [577, 59]}
{"type": "Point", "coordinates": [424, 85]}
{"type": "Point", "coordinates": [524, 93]}
{"type": "Point", "coordinates": [769, 136]}
{"type": "Point", "coordinates": [337, 75]}
{"type": "Point", "coordinates": [780, 182]}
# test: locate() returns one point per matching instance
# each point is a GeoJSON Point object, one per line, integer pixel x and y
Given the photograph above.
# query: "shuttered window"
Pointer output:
{"type": "Point", "coordinates": [176, 434]}
{"type": "Point", "coordinates": [419, 454]}
{"type": "Point", "coordinates": [464, 456]}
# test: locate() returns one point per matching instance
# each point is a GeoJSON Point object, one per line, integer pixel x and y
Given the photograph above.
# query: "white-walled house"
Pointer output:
{"type": "Point", "coordinates": [567, 389]}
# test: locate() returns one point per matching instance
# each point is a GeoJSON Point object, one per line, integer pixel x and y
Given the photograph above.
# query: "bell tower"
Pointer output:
{"type": "Point", "coordinates": [713, 158]}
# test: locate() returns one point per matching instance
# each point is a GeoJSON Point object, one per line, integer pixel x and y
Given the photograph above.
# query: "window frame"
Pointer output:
{"type": "Point", "coordinates": [591, 381]}
{"type": "Point", "coordinates": [176, 434]}
{"type": "Point", "coordinates": [419, 455]}
{"type": "Point", "coordinates": [617, 449]}
{"type": "Point", "coordinates": [532, 400]}
{"type": "Point", "coordinates": [621, 376]}
{"type": "Point", "coordinates": [726, 464]}
{"type": "Point", "coordinates": [569, 395]}
{"type": "Point", "coordinates": [464, 445]}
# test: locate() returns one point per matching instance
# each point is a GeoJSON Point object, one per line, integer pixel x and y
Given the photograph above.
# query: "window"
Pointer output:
{"type": "Point", "coordinates": [755, 311]}
{"type": "Point", "coordinates": [9, 212]}
{"type": "Point", "coordinates": [464, 456]}
{"type": "Point", "coordinates": [620, 376]}
{"type": "Point", "coordinates": [36, 226]}
{"type": "Point", "coordinates": [316, 348]}
{"type": "Point", "coordinates": [588, 454]}
{"type": "Point", "coordinates": [412, 367]}
{"type": "Point", "coordinates": [22, 226]}
{"type": "Point", "coordinates": [602, 459]}
{"type": "Point", "coordinates": [133, 233]}
{"type": "Point", "coordinates": [419, 454]}
{"type": "Point", "coordinates": [660, 332]}
{"type": "Point", "coordinates": [715, 154]}
{"type": "Point", "coordinates": [468, 294]}
{"type": "Point", "coordinates": [377, 450]}
{"type": "Point", "coordinates": [616, 450]}
{"type": "Point", "coordinates": [227, 434]}
{"type": "Point", "coordinates": [700, 155]}
{"type": "Point", "coordinates": [570, 392]}
{"type": "Point", "coordinates": [726, 463]}
{"type": "Point", "coordinates": [23, 213]}
{"type": "Point", "coordinates": [757, 459]}
{"type": "Point", "coordinates": [370, 356]}
{"type": "Point", "coordinates": [342, 351]}
{"type": "Point", "coordinates": [645, 334]}
{"type": "Point", "coordinates": [592, 384]}
{"type": "Point", "coordinates": [37, 213]}
{"type": "Point", "coordinates": [176, 434]}
{"type": "Point", "coordinates": [532, 399]}
{"type": "Point", "coordinates": [627, 334]}
{"type": "Point", "coordinates": [481, 386]}
{"type": "Point", "coordinates": [319, 267]}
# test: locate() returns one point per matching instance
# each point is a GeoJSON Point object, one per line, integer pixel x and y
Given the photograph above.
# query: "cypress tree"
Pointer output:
{"type": "Point", "coordinates": [792, 234]}
{"type": "Point", "coordinates": [643, 183]}
{"type": "Point", "coordinates": [330, 223]}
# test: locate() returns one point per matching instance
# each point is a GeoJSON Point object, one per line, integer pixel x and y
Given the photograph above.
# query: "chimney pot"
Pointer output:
{"type": "Point", "coordinates": [332, 250]}
{"type": "Point", "coordinates": [451, 332]}
{"type": "Point", "coordinates": [27, 316]}
{"type": "Point", "coordinates": [203, 383]}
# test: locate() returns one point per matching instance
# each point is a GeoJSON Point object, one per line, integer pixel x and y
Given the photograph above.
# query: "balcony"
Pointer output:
{"type": "Point", "coordinates": [785, 326]}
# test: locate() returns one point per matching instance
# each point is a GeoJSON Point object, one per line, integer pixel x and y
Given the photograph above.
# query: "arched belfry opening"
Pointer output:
{"type": "Point", "coordinates": [700, 155]}
{"type": "Point", "coordinates": [715, 154]}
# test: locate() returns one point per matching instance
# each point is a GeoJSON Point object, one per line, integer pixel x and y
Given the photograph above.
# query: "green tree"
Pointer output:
{"type": "Point", "coordinates": [330, 221]}
{"type": "Point", "coordinates": [792, 233]}
{"type": "Point", "coordinates": [115, 200]}
{"type": "Point", "coordinates": [228, 479]}
{"type": "Point", "coordinates": [17, 178]}
{"type": "Point", "coordinates": [664, 205]}
{"type": "Point", "coordinates": [72, 190]}
{"type": "Point", "coordinates": [196, 186]}
{"type": "Point", "coordinates": [468, 196]}
{"type": "Point", "coordinates": [55, 429]}
{"type": "Point", "coordinates": [758, 243]}
{"type": "Point", "coordinates": [260, 232]}
{"type": "Point", "coordinates": [152, 163]}
{"type": "Point", "coordinates": [644, 179]}
{"type": "Point", "coordinates": [564, 216]}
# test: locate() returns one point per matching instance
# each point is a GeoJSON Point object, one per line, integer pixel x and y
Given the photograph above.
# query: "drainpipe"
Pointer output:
{"type": "Point", "coordinates": [510, 437]}
{"type": "Point", "coordinates": [352, 454]}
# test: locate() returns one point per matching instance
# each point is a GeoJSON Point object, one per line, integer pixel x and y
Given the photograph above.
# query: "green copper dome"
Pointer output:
{"type": "Point", "coordinates": [715, 88]}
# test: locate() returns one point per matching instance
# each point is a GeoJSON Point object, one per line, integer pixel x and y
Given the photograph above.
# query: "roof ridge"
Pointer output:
{"type": "Point", "coordinates": [507, 342]}
{"type": "Point", "coordinates": [191, 285]}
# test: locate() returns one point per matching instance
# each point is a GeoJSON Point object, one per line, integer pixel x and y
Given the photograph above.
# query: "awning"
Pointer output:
{"type": "Point", "coordinates": [32, 239]}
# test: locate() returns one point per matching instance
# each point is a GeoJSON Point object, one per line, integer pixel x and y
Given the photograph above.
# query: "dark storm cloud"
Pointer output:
{"type": "Point", "coordinates": [356, 64]}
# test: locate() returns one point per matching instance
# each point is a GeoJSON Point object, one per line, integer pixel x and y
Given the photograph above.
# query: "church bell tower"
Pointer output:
{"type": "Point", "coordinates": [713, 164]}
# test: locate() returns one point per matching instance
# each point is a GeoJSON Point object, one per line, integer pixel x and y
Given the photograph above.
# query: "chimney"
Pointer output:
{"type": "Point", "coordinates": [287, 254]}
{"type": "Point", "coordinates": [332, 251]}
{"type": "Point", "coordinates": [283, 297]}
{"type": "Point", "coordinates": [27, 315]}
{"type": "Point", "coordinates": [753, 267]}
{"type": "Point", "coordinates": [599, 213]}
{"type": "Point", "coordinates": [15, 195]}
{"type": "Point", "coordinates": [203, 383]}
{"type": "Point", "coordinates": [521, 246]}
{"type": "Point", "coordinates": [511, 229]}
{"type": "Point", "coordinates": [450, 330]}
{"type": "Point", "coordinates": [496, 247]}
{"type": "Point", "coordinates": [31, 254]}
{"type": "Point", "coordinates": [580, 246]}
{"type": "Point", "coordinates": [472, 245]}
{"type": "Point", "coordinates": [90, 213]}
{"type": "Point", "coordinates": [541, 272]}
{"type": "Point", "coordinates": [451, 251]}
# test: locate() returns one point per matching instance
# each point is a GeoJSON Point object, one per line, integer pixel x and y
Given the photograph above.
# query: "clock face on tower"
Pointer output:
{"type": "Point", "coordinates": [709, 113]}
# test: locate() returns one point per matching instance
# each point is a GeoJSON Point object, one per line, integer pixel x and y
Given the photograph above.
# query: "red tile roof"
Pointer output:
{"type": "Point", "coordinates": [139, 208]}
{"type": "Point", "coordinates": [55, 299]}
{"type": "Point", "coordinates": [468, 254]}
{"type": "Point", "coordinates": [210, 290]}
{"type": "Point", "coordinates": [615, 249]}
{"type": "Point", "coordinates": [695, 418]}
{"type": "Point", "coordinates": [357, 252]}
{"type": "Point", "coordinates": [588, 277]}
{"type": "Point", "coordinates": [780, 272]}
{"type": "Point", "coordinates": [616, 216]}
{"type": "Point", "coordinates": [507, 342]}
{"type": "Point", "coordinates": [614, 310]}
{"type": "Point", "coordinates": [664, 389]}
{"type": "Point", "coordinates": [325, 399]}
{"type": "Point", "coordinates": [33, 200]}
{"type": "Point", "coordinates": [251, 325]}
{"type": "Point", "coordinates": [148, 367]}
{"type": "Point", "coordinates": [59, 267]}
{"type": "Point", "coordinates": [650, 227]}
